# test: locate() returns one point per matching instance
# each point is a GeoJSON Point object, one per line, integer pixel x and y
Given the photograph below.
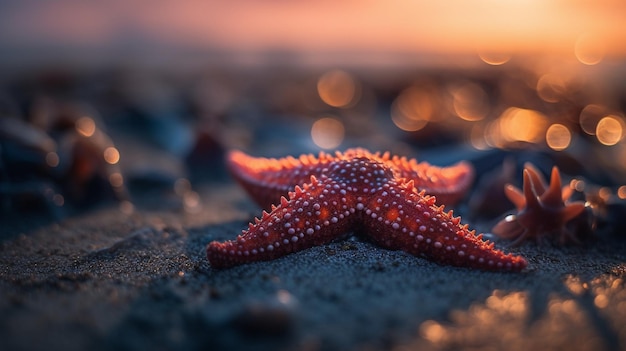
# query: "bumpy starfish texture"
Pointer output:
{"type": "Point", "coordinates": [542, 209]}
{"type": "Point", "coordinates": [266, 180]}
{"type": "Point", "coordinates": [360, 192]}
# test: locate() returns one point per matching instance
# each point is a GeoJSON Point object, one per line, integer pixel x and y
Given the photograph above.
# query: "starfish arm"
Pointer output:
{"type": "Point", "coordinates": [515, 196]}
{"type": "Point", "coordinates": [537, 179]}
{"type": "Point", "coordinates": [447, 184]}
{"type": "Point", "coordinates": [529, 186]}
{"type": "Point", "coordinates": [267, 179]}
{"type": "Point", "coordinates": [508, 228]}
{"type": "Point", "coordinates": [308, 218]}
{"type": "Point", "coordinates": [572, 210]}
{"type": "Point", "coordinates": [410, 221]}
{"type": "Point", "coordinates": [552, 197]}
{"type": "Point", "coordinates": [566, 192]}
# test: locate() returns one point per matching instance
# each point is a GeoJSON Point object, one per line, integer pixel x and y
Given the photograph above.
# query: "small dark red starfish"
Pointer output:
{"type": "Point", "coordinates": [362, 192]}
{"type": "Point", "coordinates": [542, 209]}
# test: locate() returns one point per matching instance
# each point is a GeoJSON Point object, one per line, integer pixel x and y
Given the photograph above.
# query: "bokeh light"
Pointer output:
{"type": "Point", "coordinates": [494, 58]}
{"type": "Point", "coordinates": [52, 159]}
{"type": "Point", "coordinates": [589, 49]}
{"type": "Point", "coordinates": [111, 155]}
{"type": "Point", "coordinates": [413, 108]}
{"type": "Point", "coordinates": [601, 301]}
{"type": "Point", "coordinates": [516, 125]}
{"type": "Point", "coordinates": [337, 88]}
{"type": "Point", "coordinates": [432, 331]}
{"type": "Point", "coordinates": [590, 116]}
{"type": "Point", "coordinates": [577, 184]}
{"type": "Point", "coordinates": [191, 202]}
{"type": "Point", "coordinates": [470, 102]}
{"type": "Point", "coordinates": [327, 133]}
{"type": "Point", "coordinates": [116, 179]}
{"type": "Point", "coordinates": [609, 130]}
{"type": "Point", "coordinates": [477, 137]}
{"type": "Point", "coordinates": [621, 192]}
{"type": "Point", "coordinates": [85, 126]}
{"type": "Point", "coordinates": [558, 137]}
{"type": "Point", "coordinates": [605, 193]}
{"type": "Point", "coordinates": [610, 297]}
{"type": "Point", "coordinates": [551, 87]}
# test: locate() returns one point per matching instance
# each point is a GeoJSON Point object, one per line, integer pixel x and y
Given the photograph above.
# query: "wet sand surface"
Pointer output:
{"type": "Point", "coordinates": [109, 279]}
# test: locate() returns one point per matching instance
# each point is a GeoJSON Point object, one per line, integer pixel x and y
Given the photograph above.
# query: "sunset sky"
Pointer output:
{"type": "Point", "coordinates": [30, 27]}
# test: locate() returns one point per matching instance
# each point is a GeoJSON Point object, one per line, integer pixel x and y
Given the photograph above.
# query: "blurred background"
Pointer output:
{"type": "Point", "coordinates": [109, 100]}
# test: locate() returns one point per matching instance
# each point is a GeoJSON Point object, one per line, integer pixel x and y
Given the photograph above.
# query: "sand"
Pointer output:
{"type": "Point", "coordinates": [113, 280]}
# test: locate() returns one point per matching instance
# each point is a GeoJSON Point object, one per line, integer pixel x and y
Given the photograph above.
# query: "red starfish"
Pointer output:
{"type": "Point", "coordinates": [266, 180]}
{"type": "Point", "coordinates": [541, 209]}
{"type": "Point", "coordinates": [359, 191]}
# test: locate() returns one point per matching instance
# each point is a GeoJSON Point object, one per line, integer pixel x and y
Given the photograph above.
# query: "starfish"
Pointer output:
{"type": "Point", "coordinates": [266, 180]}
{"type": "Point", "coordinates": [542, 209]}
{"type": "Point", "coordinates": [361, 192]}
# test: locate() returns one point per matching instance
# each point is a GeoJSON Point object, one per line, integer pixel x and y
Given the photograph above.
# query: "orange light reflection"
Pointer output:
{"type": "Point", "coordinates": [413, 109]}
{"type": "Point", "coordinates": [85, 126]}
{"type": "Point", "coordinates": [337, 88]}
{"type": "Point", "coordinates": [551, 87]}
{"type": "Point", "coordinates": [610, 130]}
{"type": "Point", "coordinates": [494, 58]}
{"type": "Point", "coordinates": [589, 49]}
{"type": "Point", "coordinates": [516, 124]}
{"type": "Point", "coordinates": [558, 137]}
{"type": "Point", "coordinates": [590, 116]}
{"type": "Point", "coordinates": [111, 155]}
{"type": "Point", "coordinates": [327, 133]}
{"type": "Point", "coordinates": [470, 101]}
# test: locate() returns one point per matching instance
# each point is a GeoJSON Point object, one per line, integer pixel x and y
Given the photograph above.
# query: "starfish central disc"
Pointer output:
{"type": "Point", "coordinates": [332, 195]}
{"type": "Point", "coordinates": [361, 174]}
